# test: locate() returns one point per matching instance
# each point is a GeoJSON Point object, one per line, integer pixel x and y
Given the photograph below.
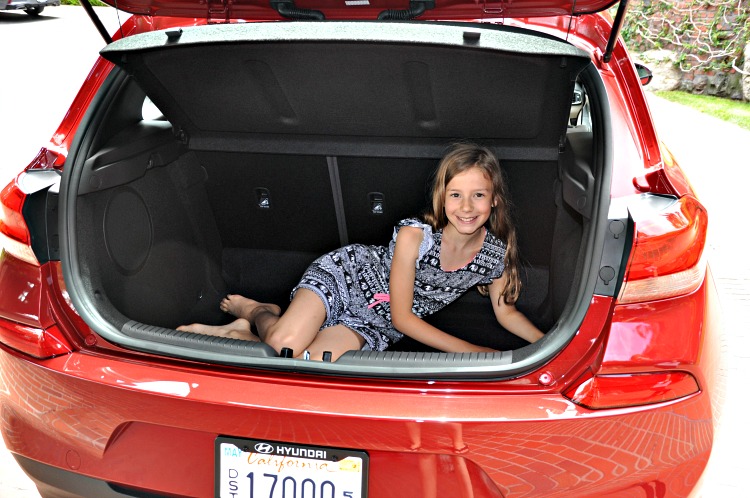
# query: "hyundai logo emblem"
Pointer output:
{"type": "Point", "coordinates": [263, 448]}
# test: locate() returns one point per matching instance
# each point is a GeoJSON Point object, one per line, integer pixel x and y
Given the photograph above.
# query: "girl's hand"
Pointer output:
{"type": "Point", "coordinates": [509, 317]}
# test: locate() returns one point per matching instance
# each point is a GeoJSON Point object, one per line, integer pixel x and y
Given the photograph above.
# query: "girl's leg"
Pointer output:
{"type": "Point", "coordinates": [296, 329]}
{"type": "Point", "coordinates": [238, 329]}
{"type": "Point", "coordinates": [337, 339]}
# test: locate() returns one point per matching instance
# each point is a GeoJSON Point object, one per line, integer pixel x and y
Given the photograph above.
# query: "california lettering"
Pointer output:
{"type": "Point", "coordinates": [282, 462]}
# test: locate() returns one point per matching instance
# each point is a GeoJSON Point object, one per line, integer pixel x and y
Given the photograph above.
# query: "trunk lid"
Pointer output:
{"type": "Point", "coordinates": [359, 9]}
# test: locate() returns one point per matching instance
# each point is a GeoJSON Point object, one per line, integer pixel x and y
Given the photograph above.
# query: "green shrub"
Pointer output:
{"type": "Point", "coordinates": [95, 3]}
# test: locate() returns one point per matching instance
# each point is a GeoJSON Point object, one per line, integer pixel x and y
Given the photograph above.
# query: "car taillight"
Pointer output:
{"type": "Point", "coordinates": [36, 342]}
{"type": "Point", "coordinates": [666, 260]}
{"type": "Point", "coordinates": [15, 237]}
{"type": "Point", "coordinates": [22, 326]}
{"type": "Point", "coordinates": [617, 391]}
{"type": "Point", "coordinates": [14, 234]}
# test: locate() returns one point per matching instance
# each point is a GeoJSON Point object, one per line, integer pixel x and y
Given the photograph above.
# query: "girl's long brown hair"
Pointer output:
{"type": "Point", "coordinates": [463, 157]}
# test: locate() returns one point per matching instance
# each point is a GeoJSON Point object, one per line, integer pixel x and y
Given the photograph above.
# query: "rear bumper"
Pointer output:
{"type": "Point", "coordinates": [52, 481]}
{"type": "Point", "coordinates": [128, 426]}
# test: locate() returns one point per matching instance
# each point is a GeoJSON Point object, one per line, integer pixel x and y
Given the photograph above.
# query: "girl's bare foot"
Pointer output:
{"type": "Point", "coordinates": [238, 329]}
{"type": "Point", "coordinates": [242, 307]}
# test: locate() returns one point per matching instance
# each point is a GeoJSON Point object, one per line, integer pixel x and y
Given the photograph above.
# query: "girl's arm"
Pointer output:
{"type": "Point", "coordinates": [509, 317]}
{"type": "Point", "coordinates": [403, 274]}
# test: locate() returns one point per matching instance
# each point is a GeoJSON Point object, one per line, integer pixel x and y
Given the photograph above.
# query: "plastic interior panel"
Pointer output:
{"type": "Point", "coordinates": [326, 84]}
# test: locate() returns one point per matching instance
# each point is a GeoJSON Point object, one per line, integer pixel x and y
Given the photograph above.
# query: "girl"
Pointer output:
{"type": "Point", "coordinates": [368, 297]}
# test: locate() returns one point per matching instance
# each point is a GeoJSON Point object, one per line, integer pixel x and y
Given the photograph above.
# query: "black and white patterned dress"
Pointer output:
{"type": "Point", "coordinates": [353, 282]}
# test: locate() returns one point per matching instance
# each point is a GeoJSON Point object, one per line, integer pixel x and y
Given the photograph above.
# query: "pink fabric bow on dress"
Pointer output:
{"type": "Point", "coordinates": [380, 298]}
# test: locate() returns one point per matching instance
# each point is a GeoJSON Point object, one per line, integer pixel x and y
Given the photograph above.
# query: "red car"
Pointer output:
{"type": "Point", "coordinates": [220, 147]}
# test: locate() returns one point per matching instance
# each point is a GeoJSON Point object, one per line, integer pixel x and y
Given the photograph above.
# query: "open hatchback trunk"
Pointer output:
{"type": "Point", "coordinates": [225, 158]}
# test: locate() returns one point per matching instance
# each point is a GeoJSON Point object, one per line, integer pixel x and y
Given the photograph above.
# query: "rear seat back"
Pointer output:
{"type": "Point", "coordinates": [378, 192]}
{"type": "Point", "coordinates": [272, 201]}
{"type": "Point", "coordinates": [315, 204]}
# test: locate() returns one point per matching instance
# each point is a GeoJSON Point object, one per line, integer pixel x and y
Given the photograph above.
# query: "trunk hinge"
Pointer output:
{"type": "Point", "coordinates": [97, 22]}
{"type": "Point", "coordinates": [218, 11]}
{"type": "Point", "coordinates": [616, 27]}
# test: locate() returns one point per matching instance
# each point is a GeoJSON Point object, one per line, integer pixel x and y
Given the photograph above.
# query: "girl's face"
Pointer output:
{"type": "Point", "coordinates": [468, 201]}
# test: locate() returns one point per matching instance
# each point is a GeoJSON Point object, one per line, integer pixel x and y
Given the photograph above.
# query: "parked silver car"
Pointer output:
{"type": "Point", "coordinates": [31, 7]}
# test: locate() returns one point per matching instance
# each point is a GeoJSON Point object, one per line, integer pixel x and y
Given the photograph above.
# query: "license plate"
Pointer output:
{"type": "Point", "coordinates": [250, 468]}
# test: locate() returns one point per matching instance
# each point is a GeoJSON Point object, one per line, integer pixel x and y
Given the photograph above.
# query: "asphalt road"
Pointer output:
{"type": "Point", "coordinates": [45, 60]}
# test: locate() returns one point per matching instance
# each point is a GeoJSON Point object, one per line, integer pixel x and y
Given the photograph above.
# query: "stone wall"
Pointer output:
{"type": "Point", "coordinates": [693, 45]}
{"type": "Point", "coordinates": [668, 76]}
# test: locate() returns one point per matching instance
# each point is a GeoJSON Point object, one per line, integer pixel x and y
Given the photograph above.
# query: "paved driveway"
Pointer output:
{"type": "Point", "coordinates": [716, 156]}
